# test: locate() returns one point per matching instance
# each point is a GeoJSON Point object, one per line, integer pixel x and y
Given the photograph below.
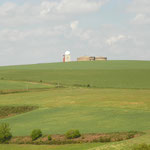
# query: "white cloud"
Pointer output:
{"type": "Point", "coordinates": [70, 6]}
{"type": "Point", "coordinates": [141, 19]}
{"type": "Point", "coordinates": [7, 9]}
{"type": "Point", "coordinates": [14, 14]}
{"type": "Point", "coordinates": [74, 25]}
{"type": "Point", "coordinates": [114, 39]}
{"type": "Point", "coordinates": [141, 9]}
{"type": "Point", "coordinates": [40, 32]}
{"type": "Point", "coordinates": [140, 6]}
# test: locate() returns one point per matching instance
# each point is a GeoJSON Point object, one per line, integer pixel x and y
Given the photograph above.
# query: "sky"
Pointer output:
{"type": "Point", "coordinates": [40, 31]}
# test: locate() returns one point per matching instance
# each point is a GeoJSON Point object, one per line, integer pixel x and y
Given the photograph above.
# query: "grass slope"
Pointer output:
{"type": "Point", "coordinates": [125, 145]}
{"type": "Point", "coordinates": [40, 147]}
{"type": "Point", "coordinates": [18, 85]}
{"type": "Point", "coordinates": [118, 99]}
{"type": "Point", "coordinates": [109, 74]}
{"type": "Point", "coordinates": [89, 110]}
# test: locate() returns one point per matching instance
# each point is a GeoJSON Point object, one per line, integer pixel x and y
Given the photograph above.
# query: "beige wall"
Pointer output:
{"type": "Point", "coordinates": [86, 58]}
{"type": "Point", "coordinates": [83, 58]}
{"type": "Point", "coordinates": [100, 58]}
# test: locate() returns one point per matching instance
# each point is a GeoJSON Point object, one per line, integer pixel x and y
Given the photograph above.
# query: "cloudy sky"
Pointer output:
{"type": "Point", "coordinates": [39, 31]}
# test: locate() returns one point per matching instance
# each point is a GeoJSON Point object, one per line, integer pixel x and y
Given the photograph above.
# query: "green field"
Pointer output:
{"type": "Point", "coordinates": [19, 85]}
{"type": "Point", "coordinates": [62, 147]}
{"type": "Point", "coordinates": [94, 97]}
{"type": "Point", "coordinates": [110, 74]}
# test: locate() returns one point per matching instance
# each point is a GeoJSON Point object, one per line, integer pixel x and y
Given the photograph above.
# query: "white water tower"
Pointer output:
{"type": "Point", "coordinates": [67, 56]}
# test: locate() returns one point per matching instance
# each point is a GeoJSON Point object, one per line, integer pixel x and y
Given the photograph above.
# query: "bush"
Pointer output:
{"type": "Point", "coordinates": [105, 139]}
{"type": "Point", "coordinates": [88, 85]}
{"type": "Point", "coordinates": [73, 134]}
{"type": "Point", "coordinates": [130, 136]}
{"type": "Point", "coordinates": [36, 134]}
{"type": "Point", "coordinates": [141, 147]}
{"type": "Point", "coordinates": [5, 134]}
{"type": "Point", "coordinates": [49, 138]}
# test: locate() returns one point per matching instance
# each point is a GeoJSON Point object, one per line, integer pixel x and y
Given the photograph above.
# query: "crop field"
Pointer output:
{"type": "Point", "coordinates": [110, 74]}
{"type": "Point", "coordinates": [18, 85]}
{"type": "Point", "coordinates": [93, 97]}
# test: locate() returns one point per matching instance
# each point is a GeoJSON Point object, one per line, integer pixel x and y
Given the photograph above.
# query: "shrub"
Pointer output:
{"type": "Point", "coordinates": [5, 134]}
{"type": "Point", "coordinates": [130, 136]}
{"type": "Point", "coordinates": [73, 134]}
{"type": "Point", "coordinates": [141, 147]}
{"type": "Point", "coordinates": [105, 139]}
{"type": "Point", "coordinates": [36, 134]}
{"type": "Point", "coordinates": [119, 139]}
{"type": "Point", "coordinates": [88, 85]}
{"type": "Point", "coordinates": [49, 138]}
{"type": "Point", "coordinates": [133, 132]}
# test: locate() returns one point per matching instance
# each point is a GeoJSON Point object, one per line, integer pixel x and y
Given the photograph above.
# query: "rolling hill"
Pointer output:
{"type": "Point", "coordinates": [94, 97]}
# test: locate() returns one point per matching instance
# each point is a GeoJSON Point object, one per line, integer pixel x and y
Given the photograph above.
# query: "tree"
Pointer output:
{"type": "Point", "coordinates": [5, 134]}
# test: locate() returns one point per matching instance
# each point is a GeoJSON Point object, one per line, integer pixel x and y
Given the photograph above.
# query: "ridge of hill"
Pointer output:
{"type": "Point", "coordinates": [94, 65]}
{"type": "Point", "coordinates": [100, 74]}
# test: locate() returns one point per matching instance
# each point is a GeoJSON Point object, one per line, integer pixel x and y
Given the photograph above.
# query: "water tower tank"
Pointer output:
{"type": "Point", "coordinates": [67, 53]}
{"type": "Point", "coordinates": [67, 56]}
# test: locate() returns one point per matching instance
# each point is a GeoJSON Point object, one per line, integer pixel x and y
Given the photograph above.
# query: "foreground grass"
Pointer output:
{"type": "Point", "coordinates": [124, 145]}
{"type": "Point", "coordinates": [56, 147]}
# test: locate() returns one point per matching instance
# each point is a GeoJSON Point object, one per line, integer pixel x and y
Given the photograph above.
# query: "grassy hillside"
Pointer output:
{"type": "Point", "coordinates": [17, 85]}
{"type": "Point", "coordinates": [109, 74]}
{"type": "Point", "coordinates": [95, 97]}
{"type": "Point", "coordinates": [95, 65]}
{"type": "Point", "coordinates": [89, 110]}
{"type": "Point", "coordinates": [42, 147]}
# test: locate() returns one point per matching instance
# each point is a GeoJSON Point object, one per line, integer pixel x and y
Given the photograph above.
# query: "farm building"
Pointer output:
{"type": "Point", "coordinates": [100, 58]}
{"type": "Point", "coordinates": [91, 58]}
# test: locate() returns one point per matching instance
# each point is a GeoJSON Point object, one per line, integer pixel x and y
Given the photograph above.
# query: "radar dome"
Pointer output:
{"type": "Point", "coordinates": [67, 53]}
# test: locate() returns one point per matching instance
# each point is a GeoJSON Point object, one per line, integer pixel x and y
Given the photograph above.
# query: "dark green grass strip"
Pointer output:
{"type": "Point", "coordinates": [6, 111]}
